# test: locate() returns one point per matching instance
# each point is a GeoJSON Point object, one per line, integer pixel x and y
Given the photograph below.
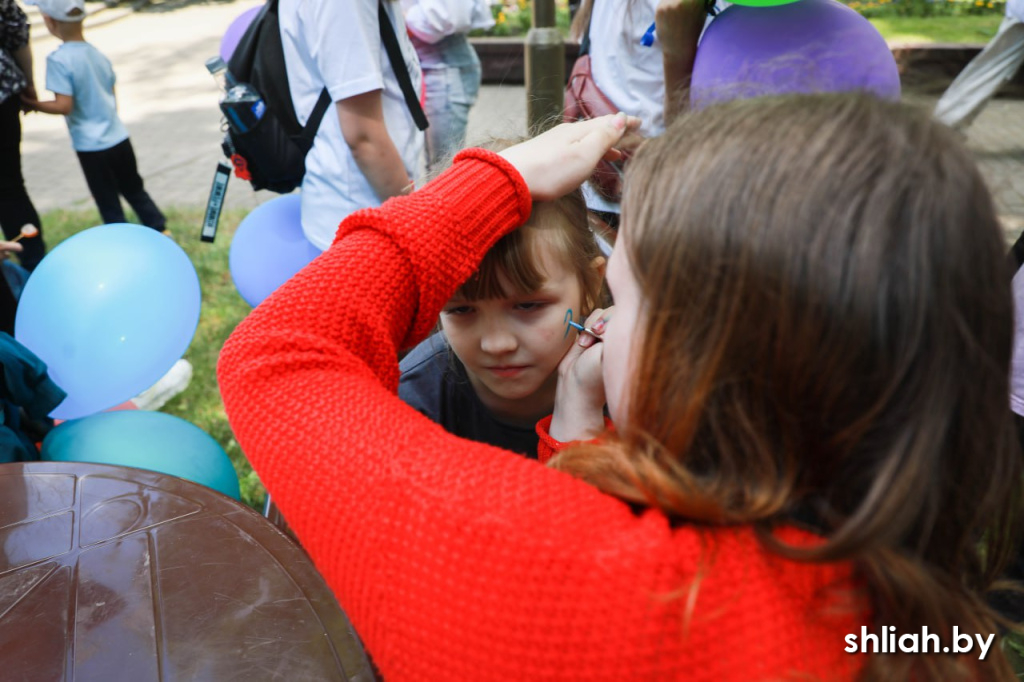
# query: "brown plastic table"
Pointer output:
{"type": "Point", "coordinates": [113, 573]}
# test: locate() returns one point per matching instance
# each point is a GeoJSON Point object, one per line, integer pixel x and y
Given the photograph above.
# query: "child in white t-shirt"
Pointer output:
{"type": "Point", "coordinates": [82, 80]}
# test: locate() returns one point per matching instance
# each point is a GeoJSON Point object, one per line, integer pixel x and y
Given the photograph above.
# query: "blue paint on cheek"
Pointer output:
{"type": "Point", "coordinates": [567, 319]}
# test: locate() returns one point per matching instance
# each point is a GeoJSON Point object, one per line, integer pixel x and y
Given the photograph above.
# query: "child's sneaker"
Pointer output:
{"type": "Point", "coordinates": [171, 384]}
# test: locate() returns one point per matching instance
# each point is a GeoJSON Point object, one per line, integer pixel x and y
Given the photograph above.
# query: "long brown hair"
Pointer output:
{"type": "Point", "coordinates": [826, 334]}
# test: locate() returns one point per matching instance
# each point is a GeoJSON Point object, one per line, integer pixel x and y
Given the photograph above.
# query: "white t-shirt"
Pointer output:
{"type": "Point", "coordinates": [433, 20]}
{"type": "Point", "coordinates": [1015, 9]}
{"type": "Point", "coordinates": [630, 74]}
{"type": "Point", "coordinates": [337, 44]}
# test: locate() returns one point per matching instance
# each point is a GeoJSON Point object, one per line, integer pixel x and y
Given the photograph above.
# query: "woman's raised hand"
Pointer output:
{"type": "Point", "coordinates": [559, 160]}
{"type": "Point", "coordinates": [580, 396]}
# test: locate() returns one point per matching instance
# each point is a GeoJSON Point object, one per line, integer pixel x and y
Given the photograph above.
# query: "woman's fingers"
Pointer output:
{"type": "Point", "coordinates": [597, 316]}
{"type": "Point", "coordinates": [579, 397]}
{"type": "Point", "coordinates": [595, 322]}
{"type": "Point", "coordinates": [559, 160]}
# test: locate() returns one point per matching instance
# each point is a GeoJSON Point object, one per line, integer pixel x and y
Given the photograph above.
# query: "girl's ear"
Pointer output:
{"type": "Point", "coordinates": [600, 264]}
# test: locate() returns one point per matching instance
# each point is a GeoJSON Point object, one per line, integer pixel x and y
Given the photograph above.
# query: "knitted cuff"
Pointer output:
{"type": "Point", "coordinates": [470, 206]}
{"type": "Point", "coordinates": [548, 447]}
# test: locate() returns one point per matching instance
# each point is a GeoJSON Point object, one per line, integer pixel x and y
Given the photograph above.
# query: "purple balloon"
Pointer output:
{"type": "Point", "coordinates": [235, 31]}
{"type": "Point", "coordinates": [807, 46]}
{"type": "Point", "coordinates": [269, 248]}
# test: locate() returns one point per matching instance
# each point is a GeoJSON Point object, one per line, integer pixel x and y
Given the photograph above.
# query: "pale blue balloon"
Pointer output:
{"type": "Point", "coordinates": [109, 311]}
{"type": "Point", "coordinates": [268, 248]}
{"type": "Point", "coordinates": [145, 440]}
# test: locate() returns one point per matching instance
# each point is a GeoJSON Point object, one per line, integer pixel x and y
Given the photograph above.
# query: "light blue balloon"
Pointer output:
{"type": "Point", "coordinates": [269, 248]}
{"type": "Point", "coordinates": [109, 311]}
{"type": "Point", "coordinates": [145, 440]}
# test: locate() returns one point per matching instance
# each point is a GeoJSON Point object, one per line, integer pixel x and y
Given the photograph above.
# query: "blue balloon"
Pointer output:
{"type": "Point", "coordinates": [269, 248]}
{"type": "Point", "coordinates": [145, 440]}
{"type": "Point", "coordinates": [109, 311]}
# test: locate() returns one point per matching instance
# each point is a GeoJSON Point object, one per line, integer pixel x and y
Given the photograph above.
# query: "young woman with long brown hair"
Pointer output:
{"type": "Point", "coordinates": [807, 371]}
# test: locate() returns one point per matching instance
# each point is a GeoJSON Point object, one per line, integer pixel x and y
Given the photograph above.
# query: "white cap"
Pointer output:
{"type": "Point", "coordinates": [61, 10]}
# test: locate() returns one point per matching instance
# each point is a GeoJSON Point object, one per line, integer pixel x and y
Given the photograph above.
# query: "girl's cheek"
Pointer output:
{"type": "Point", "coordinates": [553, 332]}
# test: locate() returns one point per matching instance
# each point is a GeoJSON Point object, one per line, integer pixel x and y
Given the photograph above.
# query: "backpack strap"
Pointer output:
{"type": "Point", "coordinates": [258, 60]}
{"type": "Point", "coordinates": [387, 35]}
{"type": "Point", "coordinates": [315, 117]}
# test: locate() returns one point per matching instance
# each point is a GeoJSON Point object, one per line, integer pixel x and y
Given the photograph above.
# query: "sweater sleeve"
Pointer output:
{"type": "Point", "coordinates": [548, 446]}
{"type": "Point", "coordinates": [453, 559]}
{"type": "Point", "coordinates": [410, 526]}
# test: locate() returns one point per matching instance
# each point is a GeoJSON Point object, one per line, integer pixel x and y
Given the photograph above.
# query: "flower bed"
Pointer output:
{"type": "Point", "coordinates": [515, 17]}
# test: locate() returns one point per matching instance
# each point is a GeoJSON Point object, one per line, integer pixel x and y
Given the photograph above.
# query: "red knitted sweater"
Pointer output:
{"type": "Point", "coordinates": [460, 561]}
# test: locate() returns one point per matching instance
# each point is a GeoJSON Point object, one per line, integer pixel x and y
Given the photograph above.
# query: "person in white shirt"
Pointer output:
{"type": "Point", "coordinates": [370, 150]}
{"type": "Point", "coordinates": [451, 68]}
{"type": "Point", "coordinates": [643, 72]}
{"type": "Point", "coordinates": [968, 94]}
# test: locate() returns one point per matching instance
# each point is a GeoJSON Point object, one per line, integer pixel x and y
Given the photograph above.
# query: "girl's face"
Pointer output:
{"type": "Point", "coordinates": [511, 346]}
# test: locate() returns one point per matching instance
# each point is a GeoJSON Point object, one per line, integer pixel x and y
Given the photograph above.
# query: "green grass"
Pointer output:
{"type": "Point", "coordinates": [222, 309]}
{"type": "Point", "coordinates": [962, 29]}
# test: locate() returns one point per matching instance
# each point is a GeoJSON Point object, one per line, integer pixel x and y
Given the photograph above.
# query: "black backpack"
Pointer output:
{"type": "Point", "coordinates": [272, 154]}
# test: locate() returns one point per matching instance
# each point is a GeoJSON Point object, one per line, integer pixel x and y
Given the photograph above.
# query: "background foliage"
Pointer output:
{"type": "Point", "coordinates": [970, 21]}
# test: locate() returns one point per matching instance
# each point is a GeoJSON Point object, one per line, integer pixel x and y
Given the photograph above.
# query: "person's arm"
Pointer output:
{"type": "Point", "coordinates": [362, 125]}
{"type": "Point", "coordinates": [412, 527]}
{"type": "Point", "coordinates": [679, 25]}
{"type": "Point", "coordinates": [23, 58]}
{"type": "Point", "coordinates": [60, 105]}
{"type": "Point", "coordinates": [580, 395]}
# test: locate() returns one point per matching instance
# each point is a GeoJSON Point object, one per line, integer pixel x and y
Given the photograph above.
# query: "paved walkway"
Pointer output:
{"type": "Point", "coordinates": [169, 103]}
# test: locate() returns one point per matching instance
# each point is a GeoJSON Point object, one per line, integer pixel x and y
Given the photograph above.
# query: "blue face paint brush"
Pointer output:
{"type": "Point", "coordinates": [583, 330]}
